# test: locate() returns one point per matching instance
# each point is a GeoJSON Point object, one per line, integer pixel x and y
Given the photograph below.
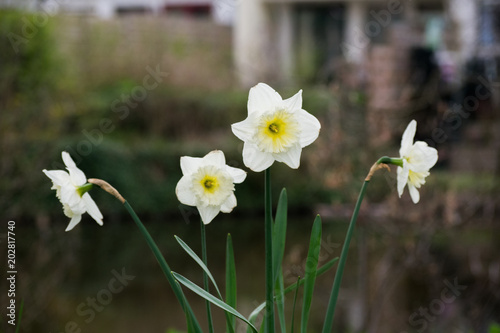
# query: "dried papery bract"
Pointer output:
{"type": "Point", "coordinates": [108, 188]}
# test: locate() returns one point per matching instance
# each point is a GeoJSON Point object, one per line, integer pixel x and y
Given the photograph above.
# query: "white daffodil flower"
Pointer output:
{"type": "Point", "coordinates": [208, 184]}
{"type": "Point", "coordinates": [417, 159]}
{"type": "Point", "coordinates": [275, 129]}
{"type": "Point", "coordinates": [71, 190]}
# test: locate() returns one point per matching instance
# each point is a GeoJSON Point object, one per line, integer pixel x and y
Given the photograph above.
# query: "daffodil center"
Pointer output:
{"type": "Point", "coordinates": [417, 179]}
{"type": "Point", "coordinates": [277, 131]}
{"type": "Point", "coordinates": [274, 128]}
{"type": "Point", "coordinates": [212, 185]}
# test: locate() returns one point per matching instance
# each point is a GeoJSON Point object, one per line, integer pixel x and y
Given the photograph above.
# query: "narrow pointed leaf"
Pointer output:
{"type": "Point", "coordinates": [193, 255]}
{"type": "Point", "coordinates": [330, 311]}
{"type": "Point", "coordinates": [230, 282]}
{"type": "Point", "coordinates": [280, 301]}
{"type": "Point", "coordinates": [253, 316]}
{"type": "Point", "coordinates": [188, 311]}
{"type": "Point", "coordinates": [206, 270]}
{"type": "Point", "coordinates": [323, 269]}
{"type": "Point", "coordinates": [311, 271]}
{"type": "Point", "coordinates": [294, 303]}
{"type": "Point", "coordinates": [211, 298]}
{"type": "Point", "coordinates": [279, 233]}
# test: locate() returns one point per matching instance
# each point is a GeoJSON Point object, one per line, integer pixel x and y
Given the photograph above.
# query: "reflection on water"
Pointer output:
{"type": "Point", "coordinates": [399, 277]}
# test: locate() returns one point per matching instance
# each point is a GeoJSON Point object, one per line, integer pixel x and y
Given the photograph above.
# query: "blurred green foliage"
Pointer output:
{"type": "Point", "coordinates": [27, 61]}
{"type": "Point", "coordinates": [68, 84]}
{"type": "Point", "coordinates": [52, 102]}
{"type": "Point", "coordinates": [494, 328]}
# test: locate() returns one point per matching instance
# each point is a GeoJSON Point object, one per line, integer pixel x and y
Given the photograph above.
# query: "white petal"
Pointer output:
{"type": "Point", "coordinates": [184, 192]}
{"type": "Point", "coordinates": [238, 175]}
{"type": "Point", "coordinates": [215, 158]}
{"type": "Point", "coordinates": [68, 161]}
{"type": "Point", "coordinates": [402, 177]}
{"type": "Point", "coordinates": [294, 103]}
{"type": "Point", "coordinates": [78, 207]}
{"type": "Point", "coordinates": [229, 204]}
{"type": "Point", "coordinates": [92, 208]}
{"type": "Point", "coordinates": [291, 157]}
{"type": "Point", "coordinates": [262, 98]}
{"type": "Point", "coordinates": [245, 130]}
{"type": "Point", "coordinates": [59, 177]}
{"type": "Point", "coordinates": [309, 127]}
{"type": "Point", "coordinates": [208, 213]}
{"type": "Point", "coordinates": [77, 176]}
{"type": "Point", "coordinates": [407, 139]}
{"type": "Point", "coordinates": [415, 196]}
{"type": "Point", "coordinates": [255, 159]}
{"type": "Point", "coordinates": [422, 157]}
{"type": "Point", "coordinates": [74, 221]}
{"type": "Point", "coordinates": [69, 195]}
{"type": "Point", "coordinates": [190, 165]}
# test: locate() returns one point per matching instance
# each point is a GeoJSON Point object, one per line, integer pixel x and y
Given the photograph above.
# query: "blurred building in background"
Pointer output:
{"type": "Point", "coordinates": [286, 36]}
{"type": "Point", "coordinates": [420, 59]}
{"type": "Point", "coordinates": [433, 61]}
{"type": "Point", "coordinates": [222, 11]}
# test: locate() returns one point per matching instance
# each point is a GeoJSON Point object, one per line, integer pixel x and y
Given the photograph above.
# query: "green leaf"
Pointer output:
{"type": "Point", "coordinates": [330, 311]}
{"type": "Point", "coordinates": [230, 282]}
{"type": "Point", "coordinates": [311, 270]}
{"type": "Point", "coordinates": [494, 328]}
{"type": "Point", "coordinates": [207, 272]}
{"type": "Point", "coordinates": [193, 255]}
{"type": "Point", "coordinates": [294, 303]}
{"type": "Point", "coordinates": [253, 316]}
{"type": "Point", "coordinates": [323, 269]}
{"type": "Point", "coordinates": [209, 297]}
{"type": "Point", "coordinates": [280, 301]}
{"type": "Point", "coordinates": [279, 233]}
{"type": "Point", "coordinates": [279, 239]}
{"type": "Point", "coordinates": [192, 322]}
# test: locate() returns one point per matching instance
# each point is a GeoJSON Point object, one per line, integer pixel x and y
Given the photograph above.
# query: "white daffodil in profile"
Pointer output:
{"type": "Point", "coordinates": [417, 159]}
{"type": "Point", "coordinates": [208, 184]}
{"type": "Point", "coordinates": [71, 189]}
{"type": "Point", "coordinates": [275, 129]}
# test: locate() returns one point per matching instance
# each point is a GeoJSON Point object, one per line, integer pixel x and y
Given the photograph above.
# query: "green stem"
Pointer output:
{"type": "Point", "coordinates": [205, 276]}
{"type": "Point", "coordinates": [328, 324]}
{"type": "Point", "coordinates": [390, 160]}
{"type": "Point", "coordinates": [269, 328]}
{"type": "Point", "coordinates": [166, 269]}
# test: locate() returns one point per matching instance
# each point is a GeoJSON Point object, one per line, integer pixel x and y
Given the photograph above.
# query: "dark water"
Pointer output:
{"type": "Point", "coordinates": [399, 278]}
